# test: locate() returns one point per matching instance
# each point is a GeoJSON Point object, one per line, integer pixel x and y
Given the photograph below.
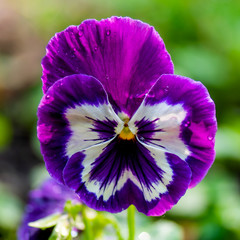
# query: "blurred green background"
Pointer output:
{"type": "Point", "coordinates": [203, 38]}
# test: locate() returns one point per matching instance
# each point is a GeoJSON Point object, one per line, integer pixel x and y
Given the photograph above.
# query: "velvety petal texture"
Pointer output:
{"type": "Point", "coordinates": [115, 125]}
{"type": "Point", "coordinates": [127, 56]}
{"type": "Point", "coordinates": [74, 115]}
{"type": "Point", "coordinates": [48, 199]}
{"type": "Point", "coordinates": [178, 116]}
{"type": "Point", "coordinates": [114, 175]}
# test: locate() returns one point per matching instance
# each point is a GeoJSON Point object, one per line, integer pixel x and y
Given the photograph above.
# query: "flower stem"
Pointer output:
{"type": "Point", "coordinates": [88, 230]}
{"type": "Point", "coordinates": [131, 222]}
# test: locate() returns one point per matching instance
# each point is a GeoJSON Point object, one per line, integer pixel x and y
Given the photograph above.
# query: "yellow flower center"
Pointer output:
{"type": "Point", "coordinates": [126, 133]}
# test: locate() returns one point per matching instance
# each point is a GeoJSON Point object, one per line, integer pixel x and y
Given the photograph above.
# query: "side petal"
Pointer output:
{"type": "Point", "coordinates": [73, 115]}
{"type": "Point", "coordinates": [118, 173]}
{"type": "Point", "coordinates": [178, 116]}
{"type": "Point", "coordinates": [127, 56]}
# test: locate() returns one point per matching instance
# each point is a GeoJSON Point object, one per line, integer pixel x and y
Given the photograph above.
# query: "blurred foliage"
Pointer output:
{"type": "Point", "coordinates": [203, 38]}
{"type": "Point", "coordinates": [11, 209]}
{"type": "Point", "coordinates": [6, 131]}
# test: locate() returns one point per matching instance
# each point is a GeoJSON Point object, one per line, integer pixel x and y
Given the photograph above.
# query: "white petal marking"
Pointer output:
{"type": "Point", "coordinates": [168, 118]}
{"type": "Point", "coordinates": [150, 192]}
{"type": "Point", "coordinates": [81, 125]}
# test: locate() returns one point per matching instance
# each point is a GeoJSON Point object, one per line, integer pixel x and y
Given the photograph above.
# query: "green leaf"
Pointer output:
{"type": "Point", "coordinates": [72, 209]}
{"type": "Point", "coordinates": [62, 230]}
{"type": "Point", "coordinates": [54, 235]}
{"type": "Point", "coordinates": [103, 221]}
{"type": "Point", "coordinates": [46, 222]}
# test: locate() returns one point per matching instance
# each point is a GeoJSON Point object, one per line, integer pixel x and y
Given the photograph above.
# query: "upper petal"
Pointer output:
{"type": "Point", "coordinates": [178, 116]}
{"type": "Point", "coordinates": [73, 115]}
{"type": "Point", "coordinates": [127, 56]}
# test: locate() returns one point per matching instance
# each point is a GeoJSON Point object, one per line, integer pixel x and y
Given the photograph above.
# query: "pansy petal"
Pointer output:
{"type": "Point", "coordinates": [113, 175]}
{"type": "Point", "coordinates": [178, 116]}
{"type": "Point", "coordinates": [48, 199]}
{"type": "Point", "coordinates": [127, 56]}
{"type": "Point", "coordinates": [73, 115]}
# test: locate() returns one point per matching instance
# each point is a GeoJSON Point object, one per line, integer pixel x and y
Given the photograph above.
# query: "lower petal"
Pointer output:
{"type": "Point", "coordinates": [114, 175]}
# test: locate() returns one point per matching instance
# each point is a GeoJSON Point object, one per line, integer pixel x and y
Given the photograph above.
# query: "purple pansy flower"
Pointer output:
{"type": "Point", "coordinates": [49, 199]}
{"type": "Point", "coordinates": [115, 124]}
